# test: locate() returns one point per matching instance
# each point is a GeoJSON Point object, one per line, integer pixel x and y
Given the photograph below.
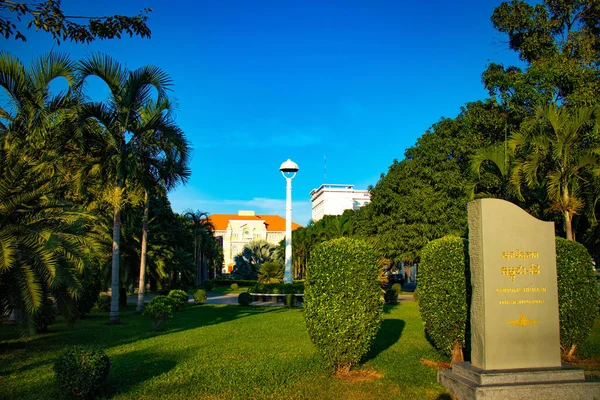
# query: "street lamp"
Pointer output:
{"type": "Point", "coordinates": [288, 170]}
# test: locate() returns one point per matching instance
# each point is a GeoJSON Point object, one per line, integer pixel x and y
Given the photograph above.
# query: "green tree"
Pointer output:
{"type": "Point", "coordinates": [48, 16]}
{"type": "Point", "coordinates": [254, 254]}
{"type": "Point", "coordinates": [558, 158]}
{"type": "Point", "coordinates": [115, 124]}
{"type": "Point", "coordinates": [162, 155]}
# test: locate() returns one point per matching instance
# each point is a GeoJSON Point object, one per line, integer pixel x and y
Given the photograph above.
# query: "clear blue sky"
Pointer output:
{"type": "Point", "coordinates": [259, 82]}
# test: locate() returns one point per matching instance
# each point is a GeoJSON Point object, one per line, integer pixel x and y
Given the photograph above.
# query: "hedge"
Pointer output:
{"type": "Point", "coordinates": [443, 296]}
{"type": "Point", "coordinates": [578, 297]}
{"type": "Point", "coordinates": [342, 301]}
{"type": "Point", "coordinates": [276, 288]}
{"type": "Point", "coordinates": [240, 282]}
{"type": "Point", "coordinates": [82, 371]}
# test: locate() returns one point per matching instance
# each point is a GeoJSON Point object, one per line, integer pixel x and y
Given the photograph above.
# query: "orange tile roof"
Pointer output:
{"type": "Point", "coordinates": [273, 222]}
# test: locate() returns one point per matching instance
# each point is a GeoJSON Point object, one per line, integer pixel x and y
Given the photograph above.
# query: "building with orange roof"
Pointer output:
{"type": "Point", "coordinates": [233, 231]}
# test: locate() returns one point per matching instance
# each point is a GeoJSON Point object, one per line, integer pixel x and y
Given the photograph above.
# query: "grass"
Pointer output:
{"type": "Point", "coordinates": [223, 352]}
{"type": "Point", "coordinates": [231, 352]}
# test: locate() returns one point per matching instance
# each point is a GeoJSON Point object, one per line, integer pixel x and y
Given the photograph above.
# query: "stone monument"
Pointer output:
{"type": "Point", "coordinates": [515, 340]}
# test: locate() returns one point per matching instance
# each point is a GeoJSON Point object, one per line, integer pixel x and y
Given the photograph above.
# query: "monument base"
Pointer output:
{"type": "Point", "coordinates": [467, 382]}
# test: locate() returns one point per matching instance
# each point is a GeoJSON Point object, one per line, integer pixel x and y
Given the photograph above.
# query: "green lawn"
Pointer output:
{"type": "Point", "coordinates": [226, 352]}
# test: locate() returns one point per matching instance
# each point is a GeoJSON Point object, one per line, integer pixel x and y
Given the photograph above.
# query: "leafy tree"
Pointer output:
{"type": "Point", "coordinates": [48, 16]}
{"type": "Point", "coordinates": [115, 124]}
{"type": "Point", "coordinates": [559, 159]}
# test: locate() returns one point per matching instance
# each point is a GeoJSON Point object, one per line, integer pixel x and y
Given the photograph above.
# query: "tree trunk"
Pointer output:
{"type": "Point", "coordinates": [114, 317]}
{"type": "Point", "coordinates": [571, 352]}
{"type": "Point", "coordinates": [142, 284]}
{"type": "Point", "coordinates": [569, 225]}
{"type": "Point", "coordinates": [457, 352]}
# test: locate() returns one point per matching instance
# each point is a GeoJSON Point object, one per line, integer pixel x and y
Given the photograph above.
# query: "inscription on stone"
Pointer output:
{"type": "Point", "coordinates": [514, 309]}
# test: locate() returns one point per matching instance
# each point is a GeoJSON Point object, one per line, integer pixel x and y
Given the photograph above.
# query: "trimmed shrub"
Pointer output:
{"type": "Point", "coordinates": [82, 371]}
{"type": "Point", "coordinates": [159, 309]}
{"type": "Point", "coordinates": [234, 286]}
{"type": "Point", "coordinates": [290, 300]}
{"type": "Point", "coordinates": [390, 297]}
{"type": "Point", "coordinates": [103, 302]}
{"type": "Point", "coordinates": [180, 298]}
{"type": "Point", "coordinates": [443, 298]}
{"type": "Point", "coordinates": [342, 301]}
{"type": "Point", "coordinates": [578, 296]}
{"type": "Point", "coordinates": [45, 316]}
{"type": "Point", "coordinates": [276, 288]}
{"type": "Point", "coordinates": [240, 282]}
{"type": "Point", "coordinates": [208, 285]}
{"type": "Point", "coordinates": [245, 299]}
{"type": "Point", "coordinates": [200, 296]}
{"type": "Point", "coordinates": [397, 287]}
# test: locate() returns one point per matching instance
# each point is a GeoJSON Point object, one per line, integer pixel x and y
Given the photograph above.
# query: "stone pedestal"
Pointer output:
{"type": "Point", "coordinates": [467, 382]}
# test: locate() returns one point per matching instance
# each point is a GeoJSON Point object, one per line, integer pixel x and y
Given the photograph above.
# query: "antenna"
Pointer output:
{"type": "Point", "coordinates": [325, 168]}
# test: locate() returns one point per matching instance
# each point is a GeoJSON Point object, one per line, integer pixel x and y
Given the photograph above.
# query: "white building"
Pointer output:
{"type": "Point", "coordinates": [234, 231]}
{"type": "Point", "coordinates": [331, 199]}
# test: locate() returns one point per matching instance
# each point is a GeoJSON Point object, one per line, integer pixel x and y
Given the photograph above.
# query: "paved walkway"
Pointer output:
{"type": "Point", "coordinates": [231, 298]}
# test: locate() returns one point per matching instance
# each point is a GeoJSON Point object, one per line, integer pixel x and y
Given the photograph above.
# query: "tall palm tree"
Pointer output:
{"type": "Point", "coordinates": [115, 123]}
{"type": "Point", "coordinates": [496, 165]}
{"type": "Point", "coordinates": [558, 158]}
{"type": "Point", "coordinates": [162, 155]}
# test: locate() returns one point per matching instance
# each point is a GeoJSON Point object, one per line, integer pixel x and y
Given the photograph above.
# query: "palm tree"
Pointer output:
{"type": "Point", "coordinates": [253, 255]}
{"type": "Point", "coordinates": [558, 158]}
{"type": "Point", "coordinates": [45, 241]}
{"type": "Point", "coordinates": [203, 242]}
{"type": "Point", "coordinates": [497, 164]}
{"type": "Point", "coordinates": [115, 123]}
{"type": "Point", "coordinates": [162, 155]}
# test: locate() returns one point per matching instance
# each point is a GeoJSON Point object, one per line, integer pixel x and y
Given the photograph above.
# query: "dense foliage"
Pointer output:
{"type": "Point", "coordinates": [200, 296]}
{"type": "Point", "coordinates": [244, 299]}
{"type": "Point", "coordinates": [342, 301]}
{"type": "Point", "coordinates": [179, 297]}
{"type": "Point", "coordinates": [444, 294]}
{"type": "Point", "coordinates": [275, 288]}
{"type": "Point", "coordinates": [82, 371]}
{"type": "Point", "coordinates": [159, 310]}
{"type": "Point", "coordinates": [578, 296]}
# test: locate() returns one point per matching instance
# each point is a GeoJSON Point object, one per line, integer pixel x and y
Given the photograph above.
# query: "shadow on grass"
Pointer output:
{"type": "Point", "coordinates": [133, 368]}
{"type": "Point", "coordinates": [389, 333]}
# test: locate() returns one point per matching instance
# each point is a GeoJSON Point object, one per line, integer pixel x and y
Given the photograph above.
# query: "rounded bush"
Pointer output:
{"type": "Point", "coordinates": [578, 296]}
{"type": "Point", "coordinates": [342, 301]}
{"type": "Point", "coordinates": [180, 298]}
{"type": "Point", "coordinates": [159, 309]}
{"type": "Point", "coordinates": [397, 287]}
{"type": "Point", "coordinates": [443, 296]}
{"type": "Point", "coordinates": [208, 285]}
{"type": "Point", "coordinates": [245, 299]}
{"type": "Point", "coordinates": [234, 286]}
{"type": "Point", "coordinates": [200, 296]}
{"type": "Point", "coordinates": [290, 300]}
{"type": "Point", "coordinates": [103, 302]}
{"type": "Point", "coordinates": [390, 297]}
{"type": "Point", "coordinates": [82, 371]}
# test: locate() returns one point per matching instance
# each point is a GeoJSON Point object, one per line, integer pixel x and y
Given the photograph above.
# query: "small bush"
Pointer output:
{"type": "Point", "coordinates": [342, 301]}
{"type": "Point", "coordinates": [200, 296]}
{"type": "Point", "coordinates": [290, 300]}
{"type": "Point", "coordinates": [577, 293]}
{"type": "Point", "coordinates": [276, 288]}
{"type": "Point", "coordinates": [391, 297]}
{"type": "Point", "coordinates": [234, 286]}
{"type": "Point", "coordinates": [45, 316]}
{"type": "Point", "coordinates": [103, 302]}
{"type": "Point", "coordinates": [159, 309]}
{"type": "Point", "coordinates": [180, 298]}
{"type": "Point", "coordinates": [443, 296]}
{"type": "Point", "coordinates": [81, 371]}
{"type": "Point", "coordinates": [397, 287]}
{"type": "Point", "coordinates": [245, 299]}
{"type": "Point", "coordinates": [208, 285]}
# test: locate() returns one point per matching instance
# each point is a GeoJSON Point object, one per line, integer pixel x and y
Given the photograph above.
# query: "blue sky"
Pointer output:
{"type": "Point", "coordinates": [258, 82]}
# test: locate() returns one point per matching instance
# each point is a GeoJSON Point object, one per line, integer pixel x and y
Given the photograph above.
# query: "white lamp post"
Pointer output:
{"type": "Point", "coordinates": [288, 170]}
